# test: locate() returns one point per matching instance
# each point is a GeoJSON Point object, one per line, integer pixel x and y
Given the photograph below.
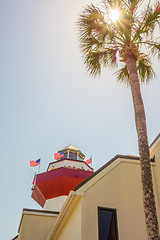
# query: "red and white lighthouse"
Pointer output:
{"type": "Point", "coordinates": [52, 187]}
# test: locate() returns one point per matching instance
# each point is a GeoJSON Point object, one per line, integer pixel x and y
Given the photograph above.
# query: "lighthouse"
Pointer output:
{"type": "Point", "coordinates": [52, 187]}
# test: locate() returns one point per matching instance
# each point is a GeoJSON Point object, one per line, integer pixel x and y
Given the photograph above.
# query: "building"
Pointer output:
{"type": "Point", "coordinates": [53, 186]}
{"type": "Point", "coordinates": [108, 204]}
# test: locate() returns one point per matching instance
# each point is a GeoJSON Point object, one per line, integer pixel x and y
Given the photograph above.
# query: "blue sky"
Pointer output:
{"type": "Point", "coordinates": [48, 100]}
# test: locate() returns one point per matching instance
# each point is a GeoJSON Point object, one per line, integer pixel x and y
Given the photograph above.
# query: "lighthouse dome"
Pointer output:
{"type": "Point", "coordinates": [71, 152]}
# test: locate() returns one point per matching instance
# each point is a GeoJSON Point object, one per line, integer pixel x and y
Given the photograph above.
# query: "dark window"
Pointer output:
{"type": "Point", "coordinates": [64, 156]}
{"type": "Point", "coordinates": [72, 155]}
{"type": "Point", "coordinates": [107, 223]}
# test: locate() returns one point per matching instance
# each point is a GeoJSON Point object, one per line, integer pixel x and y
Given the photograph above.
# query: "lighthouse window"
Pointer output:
{"type": "Point", "coordinates": [64, 156]}
{"type": "Point", "coordinates": [107, 223]}
{"type": "Point", "coordinates": [79, 158]}
{"type": "Point", "coordinates": [73, 155]}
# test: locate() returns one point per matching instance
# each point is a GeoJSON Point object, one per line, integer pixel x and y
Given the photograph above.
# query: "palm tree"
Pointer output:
{"type": "Point", "coordinates": [129, 41]}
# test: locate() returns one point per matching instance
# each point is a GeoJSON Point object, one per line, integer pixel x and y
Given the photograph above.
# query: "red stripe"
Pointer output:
{"type": "Point", "coordinates": [33, 164]}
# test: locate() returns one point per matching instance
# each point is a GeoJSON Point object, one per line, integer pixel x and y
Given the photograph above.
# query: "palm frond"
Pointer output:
{"type": "Point", "coordinates": [112, 3]}
{"type": "Point", "coordinates": [125, 24]}
{"type": "Point", "coordinates": [92, 23]}
{"type": "Point", "coordinates": [122, 75]}
{"type": "Point", "coordinates": [155, 50]}
{"type": "Point", "coordinates": [89, 20]}
{"type": "Point", "coordinates": [145, 71]}
{"type": "Point", "coordinates": [148, 21]}
{"type": "Point", "coordinates": [96, 59]}
{"type": "Point", "coordinates": [134, 4]}
{"type": "Point", "coordinates": [153, 46]}
{"type": "Point", "coordinates": [90, 44]}
{"type": "Point", "coordinates": [92, 62]}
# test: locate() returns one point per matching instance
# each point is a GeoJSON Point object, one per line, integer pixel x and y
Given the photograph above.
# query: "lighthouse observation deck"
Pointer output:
{"type": "Point", "coordinates": [69, 163]}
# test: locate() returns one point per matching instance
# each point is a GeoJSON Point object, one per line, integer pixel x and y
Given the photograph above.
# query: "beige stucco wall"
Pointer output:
{"type": "Point", "coordinates": [72, 226]}
{"type": "Point", "coordinates": [121, 189]}
{"type": "Point", "coordinates": [36, 227]}
{"type": "Point", "coordinates": [54, 204]}
{"type": "Point", "coordinates": [155, 151]}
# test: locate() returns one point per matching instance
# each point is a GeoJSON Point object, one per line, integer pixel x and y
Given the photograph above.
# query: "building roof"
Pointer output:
{"type": "Point", "coordinates": [154, 141]}
{"type": "Point", "coordinates": [35, 212]}
{"type": "Point", "coordinates": [39, 212]}
{"type": "Point", "coordinates": [36, 224]}
{"type": "Point", "coordinates": [70, 147]}
{"type": "Point", "coordinates": [106, 165]}
{"type": "Point", "coordinates": [16, 237]}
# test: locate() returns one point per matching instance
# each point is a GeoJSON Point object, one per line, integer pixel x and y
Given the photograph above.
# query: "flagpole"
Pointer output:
{"type": "Point", "coordinates": [39, 166]}
{"type": "Point", "coordinates": [91, 161]}
{"type": "Point", "coordinates": [34, 181]}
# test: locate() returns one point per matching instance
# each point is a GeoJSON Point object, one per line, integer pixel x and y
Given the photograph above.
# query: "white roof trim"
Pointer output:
{"type": "Point", "coordinates": [155, 143]}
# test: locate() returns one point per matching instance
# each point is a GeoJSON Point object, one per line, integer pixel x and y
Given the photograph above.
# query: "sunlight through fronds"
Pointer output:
{"type": "Point", "coordinates": [103, 40]}
{"type": "Point", "coordinates": [114, 14]}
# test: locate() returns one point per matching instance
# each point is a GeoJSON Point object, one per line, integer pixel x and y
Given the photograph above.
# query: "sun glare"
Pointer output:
{"type": "Point", "coordinates": [114, 14]}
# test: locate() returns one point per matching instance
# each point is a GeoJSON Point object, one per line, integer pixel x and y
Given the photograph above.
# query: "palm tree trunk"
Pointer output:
{"type": "Point", "coordinates": [146, 175]}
